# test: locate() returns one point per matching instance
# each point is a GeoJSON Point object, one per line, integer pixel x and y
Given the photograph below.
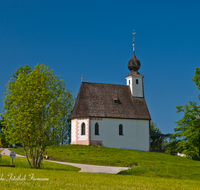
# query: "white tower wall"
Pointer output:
{"type": "Point", "coordinates": [136, 85]}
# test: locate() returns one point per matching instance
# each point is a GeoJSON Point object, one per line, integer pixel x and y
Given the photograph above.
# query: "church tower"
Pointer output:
{"type": "Point", "coordinates": [135, 79]}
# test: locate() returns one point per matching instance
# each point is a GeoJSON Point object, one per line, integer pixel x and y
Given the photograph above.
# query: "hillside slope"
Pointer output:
{"type": "Point", "coordinates": [142, 163]}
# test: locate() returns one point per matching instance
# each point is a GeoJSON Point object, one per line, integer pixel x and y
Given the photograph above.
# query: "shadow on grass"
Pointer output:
{"type": "Point", "coordinates": [133, 171]}
{"type": "Point", "coordinates": [45, 165]}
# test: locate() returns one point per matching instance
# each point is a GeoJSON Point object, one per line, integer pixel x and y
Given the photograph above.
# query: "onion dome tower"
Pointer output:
{"type": "Point", "coordinates": [134, 79]}
{"type": "Point", "coordinates": [134, 63]}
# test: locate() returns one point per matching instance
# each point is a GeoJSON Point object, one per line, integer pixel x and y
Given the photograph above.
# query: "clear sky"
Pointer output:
{"type": "Point", "coordinates": [94, 38]}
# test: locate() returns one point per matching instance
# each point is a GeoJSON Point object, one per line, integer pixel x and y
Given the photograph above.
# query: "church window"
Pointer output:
{"type": "Point", "coordinates": [120, 129]}
{"type": "Point", "coordinates": [96, 129]}
{"type": "Point", "coordinates": [137, 82]}
{"type": "Point", "coordinates": [129, 82]}
{"type": "Point", "coordinates": [83, 129]}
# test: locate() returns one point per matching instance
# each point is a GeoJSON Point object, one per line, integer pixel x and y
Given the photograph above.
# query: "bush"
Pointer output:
{"type": "Point", "coordinates": [168, 151]}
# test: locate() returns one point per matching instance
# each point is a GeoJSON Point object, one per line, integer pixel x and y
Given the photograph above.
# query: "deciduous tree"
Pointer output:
{"type": "Point", "coordinates": [33, 109]}
{"type": "Point", "coordinates": [68, 101]}
{"type": "Point", "coordinates": [154, 128]}
{"type": "Point", "coordinates": [188, 128]}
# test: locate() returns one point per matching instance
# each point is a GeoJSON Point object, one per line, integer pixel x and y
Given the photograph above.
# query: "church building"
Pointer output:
{"type": "Point", "coordinates": [113, 115]}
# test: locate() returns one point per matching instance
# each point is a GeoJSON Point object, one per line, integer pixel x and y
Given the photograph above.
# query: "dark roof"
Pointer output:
{"type": "Point", "coordinates": [99, 100]}
{"type": "Point", "coordinates": [134, 73]}
{"type": "Point", "coordinates": [134, 64]}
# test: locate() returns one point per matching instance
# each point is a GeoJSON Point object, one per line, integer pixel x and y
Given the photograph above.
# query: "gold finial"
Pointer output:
{"type": "Point", "coordinates": [82, 78]}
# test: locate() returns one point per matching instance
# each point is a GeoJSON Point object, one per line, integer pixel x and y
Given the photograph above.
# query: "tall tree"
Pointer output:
{"type": "Point", "coordinates": [67, 100]}
{"type": "Point", "coordinates": [2, 136]}
{"type": "Point", "coordinates": [154, 128]}
{"type": "Point", "coordinates": [33, 110]}
{"type": "Point", "coordinates": [188, 128]}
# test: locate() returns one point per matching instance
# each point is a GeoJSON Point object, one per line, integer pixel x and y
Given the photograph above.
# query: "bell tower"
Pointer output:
{"type": "Point", "coordinates": [135, 79]}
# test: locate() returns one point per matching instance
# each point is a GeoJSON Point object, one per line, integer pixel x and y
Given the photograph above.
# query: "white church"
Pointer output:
{"type": "Point", "coordinates": [112, 115]}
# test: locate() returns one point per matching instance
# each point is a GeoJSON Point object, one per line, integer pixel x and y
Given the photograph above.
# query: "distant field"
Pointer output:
{"type": "Point", "coordinates": [151, 164]}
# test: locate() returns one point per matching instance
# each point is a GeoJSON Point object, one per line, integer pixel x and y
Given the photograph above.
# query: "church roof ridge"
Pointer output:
{"type": "Point", "coordinates": [104, 83]}
{"type": "Point", "coordinates": [96, 100]}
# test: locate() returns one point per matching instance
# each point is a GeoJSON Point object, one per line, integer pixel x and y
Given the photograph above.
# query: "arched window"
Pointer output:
{"type": "Point", "coordinates": [83, 129]}
{"type": "Point", "coordinates": [120, 129]}
{"type": "Point", "coordinates": [129, 82]}
{"type": "Point", "coordinates": [137, 82]}
{"type": "Point", "coordinates": [96, 129]}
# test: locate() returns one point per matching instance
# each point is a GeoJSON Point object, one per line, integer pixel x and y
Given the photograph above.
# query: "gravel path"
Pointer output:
{"type": "Point", "coordinates": [6, 151]}
{"type": "Point", "coordinates": [83, 167]}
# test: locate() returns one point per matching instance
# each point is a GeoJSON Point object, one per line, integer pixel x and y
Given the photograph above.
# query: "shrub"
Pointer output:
{"type": "Point", "coordinates": [168, 151]}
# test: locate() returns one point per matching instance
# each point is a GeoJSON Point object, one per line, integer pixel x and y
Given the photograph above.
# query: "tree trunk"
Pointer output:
{"type": "Point", "coordinates": [32, 155]}
{"type": "Point", "coordinates": [39, 159]}
{"type": "Point", "coordinates": [62, 136]}
{"type": "Point", "coordinates": [26, 153]}
{"type": "Point", "coordinates": [35, 154]}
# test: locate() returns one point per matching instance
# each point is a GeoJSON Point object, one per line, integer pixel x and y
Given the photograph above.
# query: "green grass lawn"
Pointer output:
{"type": "Point", "coordinates": [151, 164]}
{"type": "Point", "coordinates": [74, 180]}
{"type": "Point", "coordinates": [58, 176]}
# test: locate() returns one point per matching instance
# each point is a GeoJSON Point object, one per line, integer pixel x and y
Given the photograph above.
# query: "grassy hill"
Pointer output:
{"type": "Point", "coordinates": [71, 180]}
{"type": "Point", "coordinates": [59, 176]}
{"type": "Point", "coordinates": [147, 164]}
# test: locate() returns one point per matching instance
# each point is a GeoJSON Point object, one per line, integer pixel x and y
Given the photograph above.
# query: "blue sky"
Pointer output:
{"type": "Point", "coordinates": [94, 38]}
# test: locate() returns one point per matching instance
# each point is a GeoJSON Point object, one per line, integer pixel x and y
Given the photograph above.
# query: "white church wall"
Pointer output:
{"type": "Point", "coordinates": [135, 133]}
{"type": "Point", "coordinates": [143, 130]}
{"type": "Point", "coordinates": [86, 136]}
{"type": "Point", "coordinates": [73, 131]}
{"type": "Point", "coordinates": [77, 138]}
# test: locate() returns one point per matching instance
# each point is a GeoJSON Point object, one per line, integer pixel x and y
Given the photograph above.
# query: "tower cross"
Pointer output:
{"type": "Point", "coordinates": [133, 35]}
{"type": "Point", "coordinates": [133, 42]}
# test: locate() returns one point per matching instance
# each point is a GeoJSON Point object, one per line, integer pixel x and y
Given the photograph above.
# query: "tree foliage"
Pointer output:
{"type": "Point", "coordinates": [155, 140]}
{"type": "Point", "coordinates": [33, 109]}
{"type": "Point", "coordinates": [188, 128]}
{"type": "Point", "coordinates": [68, 100]}
{"type": "Point", "coordinates": [2, 135]}
{"type": "Point", "coordinates": [154, 128]}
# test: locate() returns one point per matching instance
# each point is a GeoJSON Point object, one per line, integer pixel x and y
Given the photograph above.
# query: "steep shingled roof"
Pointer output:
{"type": "Point", "coordinates": [99, 100]}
